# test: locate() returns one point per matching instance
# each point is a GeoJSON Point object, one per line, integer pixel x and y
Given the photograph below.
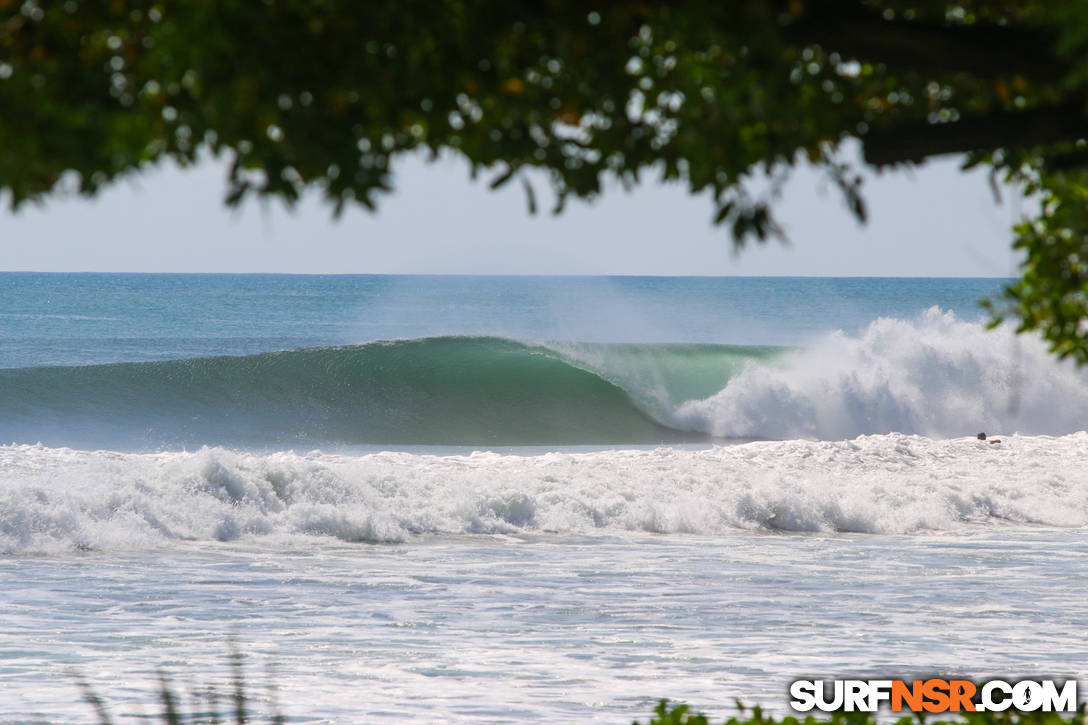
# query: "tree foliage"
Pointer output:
{"type": "Point", "coordinates": [714, 95]}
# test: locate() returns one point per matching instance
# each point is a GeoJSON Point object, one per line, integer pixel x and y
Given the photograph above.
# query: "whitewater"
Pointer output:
{"type": "Point", "coordinates": [519, 499]}
{"type": "Point", "coordinates": [889, 484]}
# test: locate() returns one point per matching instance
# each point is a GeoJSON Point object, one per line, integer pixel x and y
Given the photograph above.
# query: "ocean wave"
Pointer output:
{"type": "Point", "coordinates": [449, 390]}
{"type": "Point", "coordinates": [58, 499]}
{"type": "Point", "coordinates": [935, 376]}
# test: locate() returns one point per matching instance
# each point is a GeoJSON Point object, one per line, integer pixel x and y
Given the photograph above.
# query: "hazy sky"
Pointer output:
{"type": "Point", "coordinates": [933, 221]}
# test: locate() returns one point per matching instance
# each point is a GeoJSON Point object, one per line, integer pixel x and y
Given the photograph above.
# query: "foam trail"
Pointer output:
{"type": "Point", "coordinates": [61, 499]}
{"type": "Point", "coordinates": [938, 376]}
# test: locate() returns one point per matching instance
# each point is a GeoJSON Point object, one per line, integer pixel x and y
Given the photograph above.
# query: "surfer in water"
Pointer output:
{"type": "Point", "coordinates": [982, 437]}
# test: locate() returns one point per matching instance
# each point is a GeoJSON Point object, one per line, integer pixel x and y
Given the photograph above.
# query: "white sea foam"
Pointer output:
{"type": "Point", "coordinates": [936, 376]}
{"type": "Point", "coordinates": [63, 499]}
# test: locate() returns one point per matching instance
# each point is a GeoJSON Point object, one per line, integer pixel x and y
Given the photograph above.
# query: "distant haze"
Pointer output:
{"type": "Point", "coordinates": [933, 221]}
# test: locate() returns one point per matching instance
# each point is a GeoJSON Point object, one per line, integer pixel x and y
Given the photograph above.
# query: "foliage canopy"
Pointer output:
{"type": "Point", "coordinates": [327, 93]}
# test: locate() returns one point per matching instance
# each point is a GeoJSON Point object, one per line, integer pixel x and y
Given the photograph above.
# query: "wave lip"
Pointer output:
{"type": "Point", "coordinates": [55, 499]}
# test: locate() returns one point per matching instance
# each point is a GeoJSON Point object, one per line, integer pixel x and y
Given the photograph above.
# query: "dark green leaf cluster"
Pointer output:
{"type": "Point", "coordinates": [1052, 294]}
{"type": "Point", "coordinates": [328, 93]}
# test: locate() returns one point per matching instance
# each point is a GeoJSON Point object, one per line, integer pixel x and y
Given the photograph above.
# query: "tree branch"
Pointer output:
{"type": "Point", "coordinates": [982, 49]}
{"type": "Point", "coordinates": [1001, 129]}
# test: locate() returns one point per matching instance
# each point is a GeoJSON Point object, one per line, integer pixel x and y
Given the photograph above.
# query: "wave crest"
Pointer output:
{"type": "Point", "coordinates": [937, 376]}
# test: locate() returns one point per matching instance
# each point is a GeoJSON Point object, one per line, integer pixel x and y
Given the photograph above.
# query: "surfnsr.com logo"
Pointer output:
{"type": "Point", "coordinates": [933, 695]}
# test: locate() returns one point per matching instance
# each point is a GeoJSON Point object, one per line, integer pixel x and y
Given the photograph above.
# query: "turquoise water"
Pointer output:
{"type": "Point", "coordinates": [81, 319]}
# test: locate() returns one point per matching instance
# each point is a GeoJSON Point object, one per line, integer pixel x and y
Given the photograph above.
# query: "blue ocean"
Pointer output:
{"type": "Point", "coordinates": [513, 499]}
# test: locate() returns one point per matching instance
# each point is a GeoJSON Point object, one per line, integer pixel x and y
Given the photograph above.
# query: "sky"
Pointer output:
{"type": "Point", "coordinates": [930, 221]}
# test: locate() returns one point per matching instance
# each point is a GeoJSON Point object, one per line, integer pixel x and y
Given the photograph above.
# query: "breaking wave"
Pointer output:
{"type": "Point", "coordinates": [936, 376]}
{"type": "Point", "coordinates": [58, 499]}
{"type": "Point", "coordinates": [436, 391]}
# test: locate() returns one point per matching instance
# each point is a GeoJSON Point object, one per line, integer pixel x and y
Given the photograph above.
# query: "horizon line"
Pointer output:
{"type": "Point", "coordinates": [509, 275]}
